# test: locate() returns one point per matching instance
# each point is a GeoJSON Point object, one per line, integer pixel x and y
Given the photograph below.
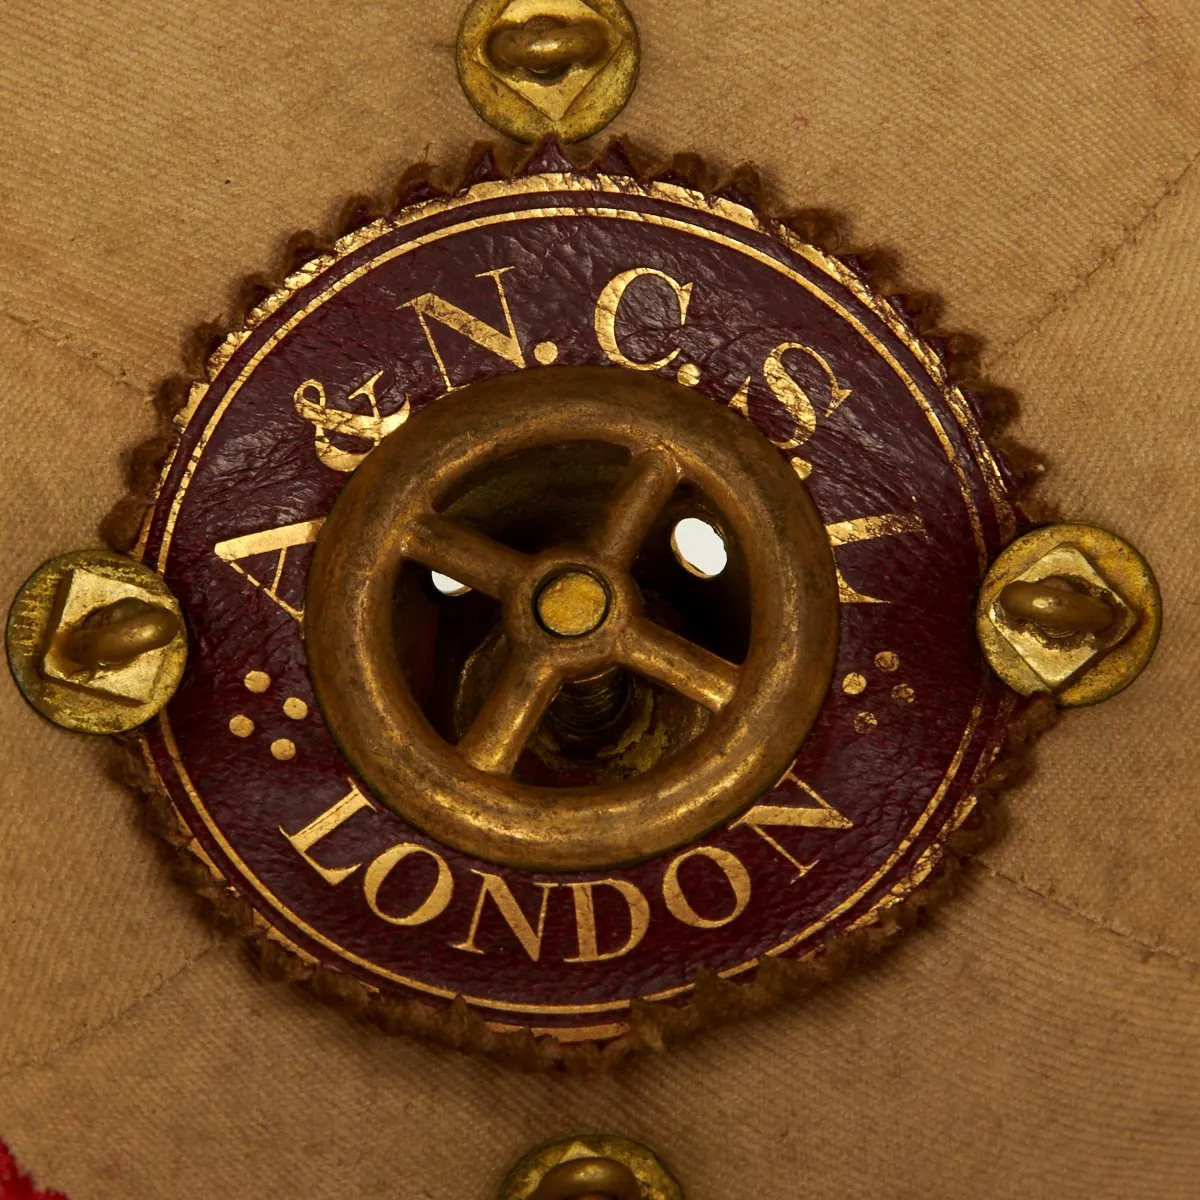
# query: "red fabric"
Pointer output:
{"type": "Point", "coordinates": [16, 1185]}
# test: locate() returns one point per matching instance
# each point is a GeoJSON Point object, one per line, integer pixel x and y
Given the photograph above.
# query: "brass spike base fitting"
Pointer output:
{"type": "Point", "coordinates": [538, 67]}
{"type": "Point", "coordinates": [590, 1167]}
{"type": "Point", "coordinates": [96, 642]}
{"type": "Point", "coordinates": [1072, 610]}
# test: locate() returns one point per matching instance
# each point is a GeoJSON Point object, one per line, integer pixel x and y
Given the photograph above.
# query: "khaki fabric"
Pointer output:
{"type": "Point", "coordinates": [1035, 163]}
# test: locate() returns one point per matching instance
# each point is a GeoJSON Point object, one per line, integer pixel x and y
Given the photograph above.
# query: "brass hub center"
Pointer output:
{"type": "Point", "coordinates": [572, 604]}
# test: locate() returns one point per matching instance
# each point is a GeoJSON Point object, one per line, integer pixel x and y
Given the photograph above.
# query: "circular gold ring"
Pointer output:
{"type": "Point", "coordinates": [425, 497]}
{"type": "Point", "coordinates": [52, 621]}
{"type": "Point", "coordinates": [1095, 660]}
{"type": "Point", "coordinates": [560, 67]}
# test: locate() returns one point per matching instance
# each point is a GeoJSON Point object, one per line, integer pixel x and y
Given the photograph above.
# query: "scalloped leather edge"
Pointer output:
{"type": "Point", "coordinates": [652, 1026]}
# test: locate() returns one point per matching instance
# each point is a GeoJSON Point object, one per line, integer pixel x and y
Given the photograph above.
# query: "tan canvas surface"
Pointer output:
{"type": "Point", "coordinates": [1035, 162]}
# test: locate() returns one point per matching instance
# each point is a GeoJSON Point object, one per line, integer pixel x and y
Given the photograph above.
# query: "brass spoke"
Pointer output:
{"type": "Point", "coordinates": [510, 714]}
{"type": "Point", "coordinates": [471, 557]}
{"type": "Point", "coordinates": [645, 487]}
{"type": "Point", "coordinates": [682, 665]}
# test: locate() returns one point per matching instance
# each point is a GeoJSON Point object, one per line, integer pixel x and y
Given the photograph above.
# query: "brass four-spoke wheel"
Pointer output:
{"type": "Point", "coordinates": [582, 706]}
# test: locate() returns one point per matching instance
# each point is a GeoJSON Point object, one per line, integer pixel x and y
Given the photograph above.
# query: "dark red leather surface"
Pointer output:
{"type": "Point", "coordinates": [898, 781]}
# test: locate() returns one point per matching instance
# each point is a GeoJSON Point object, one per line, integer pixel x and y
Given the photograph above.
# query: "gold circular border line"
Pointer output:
{"type": "Point", "coordinates": [684, 198]}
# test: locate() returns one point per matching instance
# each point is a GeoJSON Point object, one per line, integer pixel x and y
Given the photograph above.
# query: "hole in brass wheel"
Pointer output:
{"type": "Point", "coordinates": [699, 547]}
{"type": "Point", "coordinates": [586, 702]}
{"type": "Point", "coordinates": [446, 585]}
{"type": "Point", "coordinates": [613, 724]}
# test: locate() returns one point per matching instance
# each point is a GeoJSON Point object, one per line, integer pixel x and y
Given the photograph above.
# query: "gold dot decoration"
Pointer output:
{"type": "Point", "coordinates": [688, 375]}
{"type": "Point", "coordinates": [545, 353]}
{"type": "Point", "coordinates": [854, 684]}
{"type": "Point", "coordinates": [284, 749]}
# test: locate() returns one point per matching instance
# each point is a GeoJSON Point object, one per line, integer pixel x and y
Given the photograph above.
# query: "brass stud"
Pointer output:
{"type": "Point", "coordinates": [582, 1178]}
{"type": "Point", "coordinates": [547, 46]}
{"type": "Point", "coordinates": [536, 67]}
{"type": "Point", "coordinates": [591, 1167]}
{"type": "Point", "coordinates": [118, 633]}
{"type": "Point", "coordinates": [1056, 607]}
{"type": "Point", "coordinates": [1072, 610]}
{"type": "Point", "coordinates": [96, 642]}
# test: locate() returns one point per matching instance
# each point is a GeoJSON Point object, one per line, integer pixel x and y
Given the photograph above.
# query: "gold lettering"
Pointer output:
{"type": "Point", "coordinates": [529, 937]}
{"type": "Point", "coordinates": [432, 906]}
{"type": "Point", "coordinates": [795, 400]}
{"type": "Point", "coordinates": [609, 304]}
{"type": "Point", "coordinates": [838, 393]}
{"type": "Point", "coordinates": [333, 818]}
{"type": "Point", "coordinates": [585, 919]}
{"type": "Point", "coordinates": [505, 345]}
{"type": "Point", "coordinates": [822, 816]}
{"type": "Point", "coordinates": [799, 407]}
{"type": "Point", "coordinates": [741, 399]}
{"type": "Point", "coordinates": [370, 427]}
{"type": "Point", "coordinates": [865, 529]}
{"type": "Point", "coordinates": [680, 907]}
{"type": "Point", "coordinates": [270, 541]}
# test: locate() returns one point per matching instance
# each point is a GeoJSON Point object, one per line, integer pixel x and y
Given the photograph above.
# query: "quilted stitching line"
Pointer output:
{"type": "Point", "coordinates": [1107, 259]}
{"type": "Point", "coordinates": [1096, 922]}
